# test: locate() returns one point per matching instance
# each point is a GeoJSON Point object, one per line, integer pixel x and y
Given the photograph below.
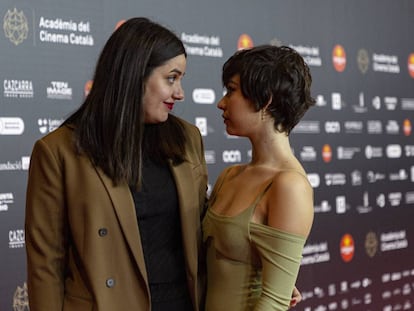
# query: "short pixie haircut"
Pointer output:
{"type": "Point", "coordinates": [276, 79]}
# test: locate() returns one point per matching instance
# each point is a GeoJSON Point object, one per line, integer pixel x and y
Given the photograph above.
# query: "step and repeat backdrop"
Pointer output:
{"type": "Point", "coordinates": [357, 143]}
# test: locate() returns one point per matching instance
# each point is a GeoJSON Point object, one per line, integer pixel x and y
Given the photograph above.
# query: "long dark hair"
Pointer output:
{"type": "Point", "coordinates": [109, 126]}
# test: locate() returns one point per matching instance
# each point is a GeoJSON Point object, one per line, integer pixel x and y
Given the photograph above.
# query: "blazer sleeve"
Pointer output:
{"type": "Point", "coordinates": [45, 230]}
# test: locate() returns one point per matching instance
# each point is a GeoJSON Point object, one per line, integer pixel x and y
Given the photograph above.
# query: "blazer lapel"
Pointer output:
{"type": "Point", "coordinates": [123, 204]}
{"type": "Point", "coordinates": [187, 195]}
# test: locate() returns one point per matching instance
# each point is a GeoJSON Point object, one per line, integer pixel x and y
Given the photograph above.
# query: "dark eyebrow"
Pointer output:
{"type": "Point", "coordinates": [177, 71]}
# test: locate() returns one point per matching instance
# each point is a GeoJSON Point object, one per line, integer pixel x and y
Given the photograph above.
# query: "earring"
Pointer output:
{"type": "Point", "coordinates": [263, 112]}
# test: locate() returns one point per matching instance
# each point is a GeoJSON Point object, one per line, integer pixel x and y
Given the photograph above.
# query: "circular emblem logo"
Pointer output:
{"type": "Point", "coordinates": [339, 58]}
{"type": "Point", "coordinates": [363, 60]}
{"type": "Point", "coordinates": [371, 244]}
{"type": "Point", "coordinates": [15, 26]}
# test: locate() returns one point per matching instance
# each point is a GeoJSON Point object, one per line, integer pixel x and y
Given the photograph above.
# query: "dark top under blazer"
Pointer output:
{"type": "Point", "coordinates": [82, 237]}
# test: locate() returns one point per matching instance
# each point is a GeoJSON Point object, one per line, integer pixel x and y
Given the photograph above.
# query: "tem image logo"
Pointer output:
{"type": "Point", "coordinates": [15, 26]}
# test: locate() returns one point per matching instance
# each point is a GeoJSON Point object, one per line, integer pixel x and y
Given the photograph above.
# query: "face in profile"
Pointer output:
{"type": "Point", "coordinates": [239, 115]}
{"type": "Point", "coordinates": [163, 88]}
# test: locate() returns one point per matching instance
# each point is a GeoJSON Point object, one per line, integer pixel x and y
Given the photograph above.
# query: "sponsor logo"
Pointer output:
{"type": "Point", "coordinates": [409, 151]}
{"type": "Point", "coordinates": [21, 298]}
{"type": "Point", "coordinates": [392, 127]}
{"type": "Point", "coordinates": [385, 63]}
{"type": "Point", "coordinates": [360, 107]}
{"type": "Point", "coordinates": [210, 156]}
{"type": "Point", "coordinates": [324, 207]}
{"type": "Point", "coordinates": [407, 127]}
{"type": "Point", "coordinates": [393, 240]}
{"type": "Point", "coordinates": [308, 153]}
{"type": "Point", "coordinates": [374, 127]}
{"type": "Point", "coordinates": [363, 60]}
{"type": "Point", "coordinates": [314, 179]}
{"type": "Point", "coordinates": [346, 153]}
{"type": "Point", "coordinates": [393, 151]}
{"type": "Point", "coordinates": [380, 200]}
{"type": "Point", "coordinates": [48, 125]}
{"type": "Point", "coordinates": [68, 32]}
{"type": "Point", "coordinates": [335, 179]}
{"type": "Point", "coordinates": [19, 165]}
{"type": "Point", "coordinates": [365, 207]}
{"type": "Point", "coordinates": [11, 126]}
{"type": "Point", "coordinates": [5, 200]}
{"type": "Point", "coordinates": [340, 204]}
{"type": "Point", "coordinates": [201, 123]}
{"type": "Point", "coordinates": [119, 23]}
{"type": "Point", "coordinates": [401, 175]}
{"type": "Point", "coordinates": [231, 156]}
{"type": "Point", "coordinates": [310, 54]}
{"type": "Point", "coordinates": [390, 102]}
{"type": "Point", "coordinates": [356, 178]}
{"type": "Point", "coordinates": [336, 101]}
{"type": "Point", "coordinates": [326, 153]}
{"type": "Point", "coordinates": [373, 152]}
{"type": "Point", "coordinates": [410, 65]}
{"type": "Point", "coordinates": [395, 198]}
{"type": "Point", "coordinates": [307, 127]}
{"type": "Point", "coordinates": [244, 42]}
{"type": "Point", "coordinates": [376, 103]}
{"type": "Point", "coordinates": [407, 103]}
{"type": "Point", "coordinates": [87, 88]}
{"type": "Point", "coordinates": [16, 238]}
{"type": "Point", "coordinates": [18, 88]}
{"type": "Point", "coordinates": [15, 26]}
{"type": "Point", "coordinates": [373, 177]}
{"type": "Point", "coordinates": [59, 90]}
{"type": "Point", "coordinates": [353, 127]}
{"type": "Point", "coordinates": [315, 253]}
{"type": "Point", "coordinates": [204, 96]}
{"type": "Point", "coordinates": [320, 101]}
{"type": "Point", "coordinates": [347, 247]}
{"type": "Point", "coordinates": [339, 58]}
{"type": "Point", "coordinates": [202, 45]}
{"type": "Point", "coordinates": [332, 127]}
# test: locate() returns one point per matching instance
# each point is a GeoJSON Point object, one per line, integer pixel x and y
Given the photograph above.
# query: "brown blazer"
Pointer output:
{"type": "Point", "coordinates": [82, 237]}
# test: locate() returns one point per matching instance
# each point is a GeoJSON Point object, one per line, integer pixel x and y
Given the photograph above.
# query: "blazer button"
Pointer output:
{"type": "Point", "coordinates": [103, 232]}
{"type": "Point", "coordinates": [110, 283]}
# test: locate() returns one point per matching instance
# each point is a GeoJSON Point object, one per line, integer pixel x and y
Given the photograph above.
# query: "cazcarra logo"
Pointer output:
{"type": "Point", "coordinates": [231, 156]}
{"type": "Point", "coordinates": [204, 96]}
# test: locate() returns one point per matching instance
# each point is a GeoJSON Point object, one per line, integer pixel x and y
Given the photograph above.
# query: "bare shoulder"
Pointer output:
{"type": "Point", "coordinates": [290, 203]}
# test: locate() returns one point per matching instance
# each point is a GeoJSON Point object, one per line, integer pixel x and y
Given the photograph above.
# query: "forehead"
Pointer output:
{"type": "Point", "coordinates": [177, 64]}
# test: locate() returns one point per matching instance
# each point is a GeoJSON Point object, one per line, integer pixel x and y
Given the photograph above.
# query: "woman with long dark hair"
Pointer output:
{"type": "Point", "coordinates": [115, 194]}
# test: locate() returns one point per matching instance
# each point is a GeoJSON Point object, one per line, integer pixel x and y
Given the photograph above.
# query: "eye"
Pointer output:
{"type": "Point", "coordinates": [228, 90]}
{"type": "Point", "coordinates": [171, 79]}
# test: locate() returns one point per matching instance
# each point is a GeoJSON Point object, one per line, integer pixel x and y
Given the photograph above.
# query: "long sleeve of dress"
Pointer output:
{"type": "Point", "coordinates": [281, 254]}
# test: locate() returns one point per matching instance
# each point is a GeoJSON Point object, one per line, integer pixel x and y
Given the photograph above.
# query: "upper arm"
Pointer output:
{"type": "Point", "coordinates": [290, 203]}
{"type": "Point", "coordinates": [45, 229]}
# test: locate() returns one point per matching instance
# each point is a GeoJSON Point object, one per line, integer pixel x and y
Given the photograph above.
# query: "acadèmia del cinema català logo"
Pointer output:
{"type": "Point", "coordinates": [15, 26]}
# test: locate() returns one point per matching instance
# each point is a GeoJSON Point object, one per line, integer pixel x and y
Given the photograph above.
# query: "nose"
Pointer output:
{"type": "Point", "coordinates": [178, 92]}
{"type": "Point", "coordinates": [221, 104]}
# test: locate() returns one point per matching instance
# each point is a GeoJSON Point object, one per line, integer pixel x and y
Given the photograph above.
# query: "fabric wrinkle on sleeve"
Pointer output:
{"type": "Point", "coordinates": [280, 253]}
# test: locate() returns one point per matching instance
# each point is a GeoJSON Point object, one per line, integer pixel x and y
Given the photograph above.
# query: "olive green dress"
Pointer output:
{"type": "Point", "coordinates": [250, 266]}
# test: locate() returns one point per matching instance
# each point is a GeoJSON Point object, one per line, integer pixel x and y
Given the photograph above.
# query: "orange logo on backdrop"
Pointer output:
{"type": "Point", "coordinates": [411, 65]}
{"type": "Point", "coordinates": [326, 153]}
{"type": "Point", "coordinates": [407, 127]}
{"type": "Point", "coordinates": [119, 23]}
{"type": "Point", "coordinates": [245, 42]}
{"type": "Point", "coordinates": [339, 58]}
{"type": "Point", "coordinates": [87, 88]}
{"type": "Point", "coordinates": [347, 247]}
